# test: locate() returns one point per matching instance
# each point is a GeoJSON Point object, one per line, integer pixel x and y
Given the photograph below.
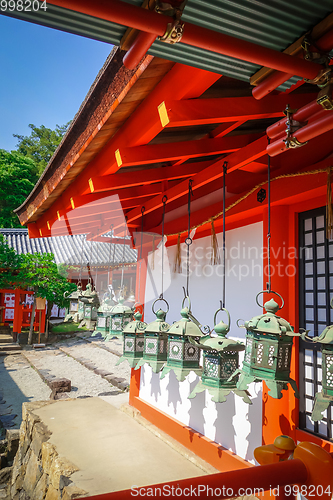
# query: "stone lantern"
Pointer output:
{"type": "Point", "coordinates": [269, 341]}
{"type": "Point", "coordinates": [182, 355]}
{"type": "Point", "coordinates": [133, 335]}
{"type": "Point", "coordinates": [156, 341]}
{"type": "Point", "coordinates": [220, 361]}
{"type": "Point", "coordinates": [73, 311]}
{"type": "Point", "coordinates": [325, 397]}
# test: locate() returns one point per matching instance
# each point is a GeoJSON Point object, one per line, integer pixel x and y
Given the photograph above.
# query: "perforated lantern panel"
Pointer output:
{"type": "Point", "coordinates": [327, 371]}
{"type": "Point", "coordinates": [267, 356]}
{"type": "Point", "coordinates": [118, 323]}
{"type": "Point", "coordinates": [218, 367]}
{"type": "Point", "coordinates": [103, 322]}
{"type": "Point", "coordinates": [133, 345]}
{"type": "Point", "coordinates": [181, 353]}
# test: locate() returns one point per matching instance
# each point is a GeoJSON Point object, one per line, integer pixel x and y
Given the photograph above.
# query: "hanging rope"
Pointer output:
{"type": "Point", "coordinates": [225, 164]}
{"type": "Point", "coordinates": [164, 200]}
{"type": "Point", "coordinates": [269, 284]}
{"type": "Point", "coordinates": [253, 190]}
{"type": "Point", "coordinates": [122, 269]}
{"type": "Point", "coordinates": [188, 240]}
{"type": "Point", "coordinates": [329, 208]}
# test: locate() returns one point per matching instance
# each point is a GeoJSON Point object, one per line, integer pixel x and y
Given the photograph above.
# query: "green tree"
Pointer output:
{"type": "Point", "coordinates": [10, 263]}
{"type": "Point", "coordinates": [40, 144]}
{"type": "Point", "coordinates": [18, 176]}
{"type": "Point", "coordinates": [37, 272]}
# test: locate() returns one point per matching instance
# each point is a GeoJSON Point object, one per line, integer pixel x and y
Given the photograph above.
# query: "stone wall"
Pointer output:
{"type": "Point", "coordinates": [38, 472]}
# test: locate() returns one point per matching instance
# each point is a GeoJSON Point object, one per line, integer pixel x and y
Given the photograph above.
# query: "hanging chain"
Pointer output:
{"type": "Point", "coordinates": [81, 263]}
{"type": "Point", "coordinates": [89, 266]}
{"type": "Point", "coordinates": [110, 254]}
{"type": "Point", "coordinates": [188, 240]}
{"type": "Point", "coordinates": [139, 259]}
{"type": "Point", "coordinates": [225, 165]}
{"type": "Point", "coordinates": [122, 269]}
{"type": "Point", "coordinates": [142, 212]}
{"type": "Point", "coordinates": [164, 200]}
{"type": "Point", "coordinates": [269, 285]}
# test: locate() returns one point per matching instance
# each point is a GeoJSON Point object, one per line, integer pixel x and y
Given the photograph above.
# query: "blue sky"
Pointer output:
{"type": "Point", "coordinates": [44, 76]}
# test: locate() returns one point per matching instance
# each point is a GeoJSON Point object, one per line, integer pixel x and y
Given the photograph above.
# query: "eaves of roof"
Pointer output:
{"type": "Point", "coordinates": [107, 105]}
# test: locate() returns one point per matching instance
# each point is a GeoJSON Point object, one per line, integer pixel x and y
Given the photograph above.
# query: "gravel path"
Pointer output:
{"type": "Point", "coordinates": [89, 363]}
{"type": "Point", "coordinates": [53, 363]}
{"type": "Point", "coordinates": [19, 383]}
{"type": "Point", "coordinates": [97, 357]}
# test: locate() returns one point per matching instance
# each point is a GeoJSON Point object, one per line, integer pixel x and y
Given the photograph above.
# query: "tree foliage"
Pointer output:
{"type": "Point", "coordinates": [40, 144]}
{"type": "Point", "coordinates": [37, 272]}
{"type": "Point", "coordinates": [18, 176]}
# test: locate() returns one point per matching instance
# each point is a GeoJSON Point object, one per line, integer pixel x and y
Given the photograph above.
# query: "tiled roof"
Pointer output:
{"type": "Point", "coordinates": [70, 250]}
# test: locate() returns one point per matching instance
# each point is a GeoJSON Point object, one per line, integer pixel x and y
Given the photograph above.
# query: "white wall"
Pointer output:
{"type": "Point", "coordinates": [233, 424]}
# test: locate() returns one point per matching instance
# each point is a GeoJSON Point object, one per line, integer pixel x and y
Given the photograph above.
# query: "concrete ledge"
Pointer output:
{"type": "Point", "coordinates": [182, 450]}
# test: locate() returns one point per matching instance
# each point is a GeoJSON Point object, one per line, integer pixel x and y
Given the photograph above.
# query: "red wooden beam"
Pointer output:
{"type": "Point", "coordinates": [235, 161]}
{"type": "Point", "coordinates": [154, 153]}
{"type": "Point", "coordinates": [228, 109]}
{"type": "Point", "coordinates": [125, 179]}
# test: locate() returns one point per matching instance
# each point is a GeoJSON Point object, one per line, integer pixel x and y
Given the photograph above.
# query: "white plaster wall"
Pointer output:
{"type": "Point", "coordinates": [233, 424]}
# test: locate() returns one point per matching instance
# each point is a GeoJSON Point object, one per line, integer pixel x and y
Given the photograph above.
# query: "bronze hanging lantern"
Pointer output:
{"type": "Point", "coordinates": [220, 361]}
{"type": "Point", "coordinates": [156, 340]}
{"type": "Point", "coordinates": [269, 341]}
{"type": "Point", "coordinates": [120, 316]}
{"type": "Point", "coordinates": [109, 300]}
{"type": "Point", "coordinates": [325, 397]}
{"type": "Point", "coordinates": [133, 335]}
{"type": "Point", "coordinates": [182, 356]}
{"type": "Point", "coordinates": [103, 312]}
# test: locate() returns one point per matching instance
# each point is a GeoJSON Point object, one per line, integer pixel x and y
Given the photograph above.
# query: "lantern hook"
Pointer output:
{"type": "Point", "coordinates": [160, 299]}
{"type": "Point", "coordinates": [188, 298]}
{"type": "Point", "coordinates": [239, 325]}
{"type": "Point", "coordinates": [269, 291]}
{"type": "Point", "coordinates": [221, 308]}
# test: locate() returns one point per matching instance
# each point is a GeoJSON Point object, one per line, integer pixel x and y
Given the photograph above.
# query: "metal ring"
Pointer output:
{"type": "Point", "coordinates": [240, 326]}
{"type": "Point", "coordinates": [332, 302]}
{"type": "Point", "coordinates": [163, 300]}
{"type": "Point", "coordinates": [222, 309]}
{"type": "Point", "coordinates": [188, 241]}
{"type": "Point", "coordinates": [164, 199]}
{"type": "Point", "coordinates": [189, 302]}
{"type": "Point", "coordinates": [143, 210]}
{"type": "Point", "coordinates": [269, 291]}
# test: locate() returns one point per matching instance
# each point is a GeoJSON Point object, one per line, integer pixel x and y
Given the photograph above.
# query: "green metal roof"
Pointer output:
{"type": "Point", "coordinates": [274, 24]}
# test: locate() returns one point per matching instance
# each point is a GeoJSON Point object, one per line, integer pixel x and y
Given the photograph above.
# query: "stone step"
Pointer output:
{"type": "Point", "coordinates": [10, 347]}
{"type": "Point", "coordinates": [5, 339]}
